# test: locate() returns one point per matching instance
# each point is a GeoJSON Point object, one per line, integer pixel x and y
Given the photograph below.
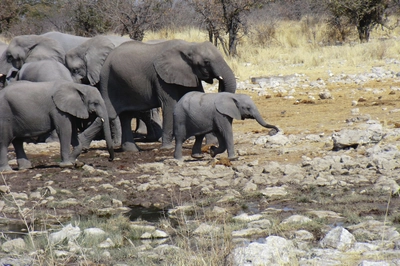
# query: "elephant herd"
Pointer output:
{"type": "Point", "coordinates": [58, 82]}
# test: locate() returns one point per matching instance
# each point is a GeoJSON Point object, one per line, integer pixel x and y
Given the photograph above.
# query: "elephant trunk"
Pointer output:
{"type": "Point", "coordinates": [260, 120]}
{"type": "Point", "coordinates": [107, 132]}
{"type": "Point", "coordinates": [226, 77]}
{"type": "Point", "coordinates": [4, 65]}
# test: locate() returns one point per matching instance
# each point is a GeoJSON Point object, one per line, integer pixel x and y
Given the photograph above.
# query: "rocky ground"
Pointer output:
{"type": "Point", "coordinates": [324, 189]}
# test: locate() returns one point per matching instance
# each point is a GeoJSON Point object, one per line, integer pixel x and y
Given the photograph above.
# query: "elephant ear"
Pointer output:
{"type": "Point", "coordinates": [42, 48]}
{"type": "Point", "coordinates": [68, 98]}
{"type": "Point", "coordinates": [227, 105]}
{"type": "Point", "coordinates": [96, 54]}
{"type": "Point", "coordinates": [173, 67]}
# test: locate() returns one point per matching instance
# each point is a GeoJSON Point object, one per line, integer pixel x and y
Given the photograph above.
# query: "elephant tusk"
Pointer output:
{"type": "Point", "coordinates": [102, 119]}
{"type": "Point", "coordinates": [220, 78]}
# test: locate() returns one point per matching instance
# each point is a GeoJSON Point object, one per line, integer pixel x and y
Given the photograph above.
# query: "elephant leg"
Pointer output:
{"type": "Point", "coordinates": [53, 137]}
{"type": "Point", "coordinates": [140, 126]}
{"type": "Point", "coordinates": [156, 125]}
{"type": "Point", "coordinates": [76, 145]}
{"type": "Point", "coordinates": [22, 159]}
{"type": "Point", "coordinates": [116, 133]}
{"type": "Point", "coordinates": [64, 131]}
{"type": "Point", "coordinates": [127, 141]}
{"type": "Point", "coordinates": [149, 123]}
{"type": "Point", "coordinates": [178, 148]}
{"type": "Point", "coordinates": [211, 139]}
{"type": "Point", "coordinates": [90, 133]}
{"type": "Point", "coordinates": [196, 150]}
{"type": "Point", "coordinates": [221, 147]}
{"type": "Point", "coordinates": [5, 140]}
{"type": "Point", "coordinates": [168, 119]}
{"type": "Point", "coordinates": [3, 158]}
{"type": "Point", "coordinates": [225, 139]}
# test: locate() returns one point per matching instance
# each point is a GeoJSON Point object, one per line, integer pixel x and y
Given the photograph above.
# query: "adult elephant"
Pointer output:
{"type": "Point", "coordinates": [86, 60]}
{"type": "Point", "coordinates": [29, 109]}
{"type": "Point", "coordinates": [67, 41]}
{"type": "Point", "coordinates": [30, 48]}
{"type": "Point", "coordinates": [85, 63]}
{"type": "Point", "coordinates": [138, 76]}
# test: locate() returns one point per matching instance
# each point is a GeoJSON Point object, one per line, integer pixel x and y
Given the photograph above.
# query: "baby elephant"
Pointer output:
{"type": "Point", "coordinates": [197, 114]}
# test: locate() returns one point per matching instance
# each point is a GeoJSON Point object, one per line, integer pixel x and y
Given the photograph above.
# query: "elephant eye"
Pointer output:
{"type": "Point", "coordinates": [9, 58]}
{"type": "Point", "coordinates": [207, 62]}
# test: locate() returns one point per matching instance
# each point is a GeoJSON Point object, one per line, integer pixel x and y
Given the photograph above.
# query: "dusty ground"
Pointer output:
{"type": "Point", "coordinates": [320, 117]}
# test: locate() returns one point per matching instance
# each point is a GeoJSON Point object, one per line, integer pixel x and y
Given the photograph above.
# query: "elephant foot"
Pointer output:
{"type": "Point", "coordinates": [273, 132]}
{"type": "Point", "coordinates": [130, 147]}
{"type": "Point", "coordinates": [197, 156]}
{"type": "Point", "coordinates": [116, 142]}
{"type": "Point", "coordinates": [168, 146]}
{"type": "Point", "coordinates": [66, 165]}
{"type": "Point", "coordinates": [6, 169]}
{"type": "Point", "coordinates": [233, 158]}
{"type": "Point", "coordinates": [213, 151]}
{"type": "Point", "coordinates": [24, 164]}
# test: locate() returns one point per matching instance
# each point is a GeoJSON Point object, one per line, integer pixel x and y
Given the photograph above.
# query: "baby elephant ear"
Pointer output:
{"type": "Point", "coordinates": [226, 104]}
{"type": "Point", "coordinates": [70, 100]}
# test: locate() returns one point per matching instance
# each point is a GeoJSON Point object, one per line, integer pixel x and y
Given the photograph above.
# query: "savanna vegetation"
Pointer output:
{"type": "Point", "coordinates": [258, 38]}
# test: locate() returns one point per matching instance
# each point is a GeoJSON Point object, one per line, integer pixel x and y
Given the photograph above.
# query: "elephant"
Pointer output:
{"type": "Point", "coordinates": [197, 114]}
{"type": "Point", "coordinates": [44, 70]}
{"type": "Point", "coordinates": [3, 64]}
{"type": "Point", "coordinates": [138, 76]}
{"type": "Point", "coordinates": [29, 109]}
{"type": "Point", "coordinates": [86, 60]}
{"type": "Point", "coordinates": [67, 41]}
{"type": "Point", "coordinates": [30, 48]}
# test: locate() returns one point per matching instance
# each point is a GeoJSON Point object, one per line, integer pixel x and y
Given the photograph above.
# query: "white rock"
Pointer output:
{"type": "Point", "coordinates": [108, 243]}
{"type": "Point", "coordinates": [15, 245]}
{"type": "Point", "coordinates": [244, 217]}
{"type": "Point", "coordinates": [274, 191]}
{"type": "Point", "coordinates": [94, 232]}
{"type": "Point", "coordinates": [373, 263]}
{"type": "Point", "coordinates": [68, 232]}
{"type": "Point", "coordinates": [303, 235]}
{"type": "Point", "coordinates": [298, 219]}
{"type": "Point", "coordinates": [205, 229]}
{"type": "Point", "coordinates": [159, 234]}
{"type": "Point", "coordinates": [247, 232]}
{"type": "Point", "coordinates": [338, 238]}
{"type": "Point", "coordinates": [275, 251]}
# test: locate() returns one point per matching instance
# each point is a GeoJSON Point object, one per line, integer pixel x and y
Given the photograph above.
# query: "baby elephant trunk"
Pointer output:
{"type": "Point", "coordinates": [261, 121]}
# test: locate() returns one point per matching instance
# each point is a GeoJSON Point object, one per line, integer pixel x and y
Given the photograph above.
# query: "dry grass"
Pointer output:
{"type": "Point", "coordinates": [299, 47]}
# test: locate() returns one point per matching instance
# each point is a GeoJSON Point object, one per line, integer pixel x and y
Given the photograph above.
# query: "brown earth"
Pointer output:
{"type": "Point", "coordinates": [319, 117]}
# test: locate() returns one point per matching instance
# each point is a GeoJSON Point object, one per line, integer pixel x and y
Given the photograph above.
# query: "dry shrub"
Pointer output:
{"type": "Point", "coordinates": [263, 34]}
